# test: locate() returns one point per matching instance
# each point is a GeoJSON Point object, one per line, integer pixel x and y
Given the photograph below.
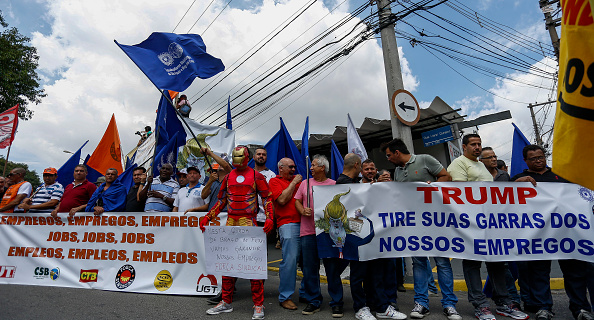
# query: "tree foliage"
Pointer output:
{"type": "Point", "coordinates": [19, 82]}
{"type": "Point", "coordinates": [30, 176]}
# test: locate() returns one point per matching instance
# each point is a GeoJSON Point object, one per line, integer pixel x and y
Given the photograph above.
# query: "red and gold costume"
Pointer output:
{"type": "Point", "coordinates": [239, 194]}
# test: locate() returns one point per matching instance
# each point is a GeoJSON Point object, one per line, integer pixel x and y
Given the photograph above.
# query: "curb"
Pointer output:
{"type": "Point", "coordinates": [459, 285]}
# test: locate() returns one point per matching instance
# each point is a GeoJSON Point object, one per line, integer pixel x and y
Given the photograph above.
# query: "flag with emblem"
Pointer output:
{"type": "Point", "coordinates": [172, 61]}
{"type": "Point", "coordinates": [108, 153]}
{"type": "Point", "coordinates": [9, 121]}
{"type": "Point", "coordinates": [573, 140]}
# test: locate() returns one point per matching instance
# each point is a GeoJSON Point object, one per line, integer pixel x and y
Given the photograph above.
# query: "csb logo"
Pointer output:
{"type": "Point", "coordinates": [89, 275]}
{"type": "Point", "coordinates": [7, 271]}
{"type": "Point", "coordinates": [41, 273]}
{"type": "Point", "coordinates": [125, 277]}
{"type": "Point", "coordinates": [209, 285]}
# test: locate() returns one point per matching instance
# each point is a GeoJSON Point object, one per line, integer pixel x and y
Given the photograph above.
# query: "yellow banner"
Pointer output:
{"type": "Point", "coordinates": [573, 143]}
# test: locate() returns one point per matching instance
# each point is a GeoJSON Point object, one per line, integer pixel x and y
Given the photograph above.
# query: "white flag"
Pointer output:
{"type": "Point", "coordinates": [354, 141]}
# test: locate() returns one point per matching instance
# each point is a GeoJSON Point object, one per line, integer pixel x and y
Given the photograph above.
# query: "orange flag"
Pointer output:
{"type": "Point", "coordinates": [108, 153]}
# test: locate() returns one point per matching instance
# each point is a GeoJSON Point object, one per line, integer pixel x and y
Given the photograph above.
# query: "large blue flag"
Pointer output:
{"type": "Point", "coordinates": [92, 174]}
{"type": "Point", "coordinates": [517, 161]}
{"type": "Point", "coordinates": [280, 146]}
{"type": "Point", "coordinates": [336, 161]}
{"type": "Point", "coordinates": [172, 61]}
{"type": "Point", "coordinates": [66, 171]}
{"type": "Point", "coordinates": [168, 154]}
{"type": "Point", "coordinates": [168, 124]}
{"type": "Point", "coordinates": [126, 177]}
{"type": "Point", "coordinates": [229, 124]}
{"type": "Point", "coordinates": [305, 140]}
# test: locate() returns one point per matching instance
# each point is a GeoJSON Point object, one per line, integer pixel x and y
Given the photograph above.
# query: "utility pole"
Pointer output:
{"type": "Point", "coordinates": [536, 131]}
{"type": "Point", "coordinates": [393, 71]}
{"type": "Point", "coordinates": [551, 23]}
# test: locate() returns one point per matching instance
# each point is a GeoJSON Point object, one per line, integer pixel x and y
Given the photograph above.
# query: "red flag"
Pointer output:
{"type": "Point", "coordinates": [9, 120]}
{"type": "Point", "coordinates": [108, 153]}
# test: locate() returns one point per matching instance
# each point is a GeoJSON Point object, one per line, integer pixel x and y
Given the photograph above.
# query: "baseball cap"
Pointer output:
{"type": "Point", "coordinates": [193, 168]}
{"type": "Point", "coordinates": [50, 170]}
{"type": "Point", "coordinates": [215, 166]}
{"type": "Point", "coordinates": [101, 179]}
{"type": "Point", "coordinates": [183, 171]}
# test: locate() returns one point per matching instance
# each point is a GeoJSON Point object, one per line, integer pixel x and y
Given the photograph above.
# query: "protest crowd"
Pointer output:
{"type": "Point", "coordinates": [258, 197]}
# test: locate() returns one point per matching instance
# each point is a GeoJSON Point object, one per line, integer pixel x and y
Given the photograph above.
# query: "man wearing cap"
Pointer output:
{"type": "Point", "coordinates": [77, 194]}
{"type": "Point", "coordinates": [47, 196]}
{"type": "Point", "coordinates": [189, 198]}
{"type": "Point", "coordinates": [133, 202]}
{"type": "Point", "coordinates": [17, 192]}
{"type": "Point", "coordinates": [219, 170]}
{"type": "Point", "coordinates": [182, 177]}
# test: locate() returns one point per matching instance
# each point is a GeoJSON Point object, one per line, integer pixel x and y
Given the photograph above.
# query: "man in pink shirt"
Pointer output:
{"type": "Point", "coordinates": [309, 248]}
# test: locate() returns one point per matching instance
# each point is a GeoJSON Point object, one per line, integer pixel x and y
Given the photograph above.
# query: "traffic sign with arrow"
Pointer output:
{"type": "Point", "coordinates": [406, 107]}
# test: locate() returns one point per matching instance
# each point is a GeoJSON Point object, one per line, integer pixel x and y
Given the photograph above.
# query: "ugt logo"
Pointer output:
{"type": "Point", "coordinates": [209, 285]}
{"type": "Point", "coordinates": [7, 271]}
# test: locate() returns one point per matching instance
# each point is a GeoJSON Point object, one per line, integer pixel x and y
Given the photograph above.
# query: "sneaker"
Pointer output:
{"type": "Point", "coordinates": [364, 314]}
{"type": "Point", "coordinates": [220, 308]}
{"type": "Point", "coordinates": [419, 311]}
{"type": "Point", "coordinates": [401, 288]}
{"type": "Point", "coordinates": [510, 311]}
{"type": "Point", "coordinates": [216, 299]}
{"type": "Point", "coordinates": [310, 309]}
{"type": "Point", "coordinates": [258, 313]}
{"type": "Point", "coordinates": [585, 315]}
{"type": "Point", "coordinates": [544, 315]}
{"type": "Point", "coordinates": [484, 313]}
{"type": "Point", "coordinates": [451, 313]}
{"type": "Point", "coordinates": [390, 313]}
{"type": "Point", "coordinates": [337, 312]}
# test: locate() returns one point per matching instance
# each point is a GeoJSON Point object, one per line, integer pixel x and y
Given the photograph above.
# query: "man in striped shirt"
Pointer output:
{"type": "Point", "coordinates": [163, 191]}
{"type": "Point", "coordinates": [47, 196]}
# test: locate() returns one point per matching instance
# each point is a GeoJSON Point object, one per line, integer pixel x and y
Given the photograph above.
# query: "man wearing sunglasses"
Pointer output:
{"type": "Point", "coordinates": [283, 188]}
{"type": "Point", "coordinates": [17, 192]}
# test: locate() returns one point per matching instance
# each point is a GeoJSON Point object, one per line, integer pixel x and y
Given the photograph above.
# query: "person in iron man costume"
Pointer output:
{"type": "Point", "coordinates": [239, 193]}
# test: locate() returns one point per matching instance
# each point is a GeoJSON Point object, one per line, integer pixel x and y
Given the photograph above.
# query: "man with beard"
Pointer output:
{"type": "Point", "coordinates": [133, 203]}
{"type": "Point", "coordinates": [467, 167]}
{"type": "Point", "coordinates": [260, 157]}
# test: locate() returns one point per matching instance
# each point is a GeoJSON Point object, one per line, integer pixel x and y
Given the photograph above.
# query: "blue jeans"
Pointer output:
{"type": "Point", "coordinates": [310, 285]}
{"type": "Point", "coordinates": [291, 246]}
{"type": "Point", "coordinates": [422, 273]}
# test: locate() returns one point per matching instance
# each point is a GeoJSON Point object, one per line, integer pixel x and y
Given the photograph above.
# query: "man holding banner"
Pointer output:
{"type": "Point", "coordinates": [238, 193]}
{"type": "Point", "coordinates": [467, 167]}
{"type": "Point", "coordinates": [424, 168]}
{"type": "Point", "coordinates": [537, 273]}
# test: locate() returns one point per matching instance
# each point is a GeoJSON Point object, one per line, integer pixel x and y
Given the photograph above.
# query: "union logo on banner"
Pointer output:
{"type": "Point", "coordinates": [9, 120]}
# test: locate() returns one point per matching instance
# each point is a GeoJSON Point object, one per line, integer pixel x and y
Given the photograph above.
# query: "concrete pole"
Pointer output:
{"type": "Point", "coordinates": [393, 71]}
{"type": "Point", "coordinates": [551, 24]}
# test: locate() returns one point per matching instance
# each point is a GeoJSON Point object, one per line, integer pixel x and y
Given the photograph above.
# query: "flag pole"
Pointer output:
{"type": "Point", "coordinates": [6, 162]}
{"type": "Point", "coordinates": [171, 103]}
{"type": "Point", "coordinates": [307, 169]}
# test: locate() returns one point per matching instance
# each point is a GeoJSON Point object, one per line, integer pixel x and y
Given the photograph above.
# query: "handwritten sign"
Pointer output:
{"type": "Point", "coordinates": [236, 252]}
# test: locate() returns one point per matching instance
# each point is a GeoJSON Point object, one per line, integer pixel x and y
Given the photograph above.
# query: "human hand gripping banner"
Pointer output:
{"type": "Point", "coordinates": [131, 252]}
{"type": "Point", "coordinates": [476, 221]}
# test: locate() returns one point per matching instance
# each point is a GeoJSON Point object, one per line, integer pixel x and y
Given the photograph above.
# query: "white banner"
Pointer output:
{"type": "Point", "coordinates": [220, 140]}
{"type": "Point", "coordinates": [476, 220]}
{"type": "Point", "coordinates": [236, 252]}
{"type": "Point", "coordinates": [132, 252]}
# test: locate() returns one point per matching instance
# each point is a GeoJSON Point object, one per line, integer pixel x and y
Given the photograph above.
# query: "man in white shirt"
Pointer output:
{"type": "Point", "coordinates": [189, 197]}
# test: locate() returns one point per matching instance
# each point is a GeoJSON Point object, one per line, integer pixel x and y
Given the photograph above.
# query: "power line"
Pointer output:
{"type": "Point", "coordinates": [203, 12]}
{"type": "Point", "coordinates": [213, 20]}
{"type": "Point", "coordinates": [182, 18]}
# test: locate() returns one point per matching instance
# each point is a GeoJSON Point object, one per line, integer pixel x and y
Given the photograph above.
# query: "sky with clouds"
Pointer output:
{"type": "Point", "coordinates": [87, 78]}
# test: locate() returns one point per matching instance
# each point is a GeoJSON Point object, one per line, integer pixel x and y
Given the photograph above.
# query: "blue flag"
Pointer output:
{"type": "Point", "coordinates": [229, 123]}
{"type": "Point", "coordinates": [172, 61]}
{"type": "Point", "coordinates": [168, 154]}
{"type": "Point", "coordinates": [280, 146]}
{"type": "Point", "coordinates": [168, 124]}
{"type": "Point", "coordinates": [336, 161]}
{"type": "Point", "coordinates": [92, 174]}
{"type": "Point", "coordinates": [66, 171]}
{"type": "Point", "coordinates": [130, 161]}
{"type": "Point", "coordinates": [517, 160]}
{"type": "Point", "coordinates": [305, 140]}
{"type": "Point", "coordinates": [126, 179]}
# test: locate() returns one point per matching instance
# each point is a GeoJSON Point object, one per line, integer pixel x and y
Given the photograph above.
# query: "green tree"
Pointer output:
{"type": "Point", "coordinates": [19, 82]}
{"type": "Point", "coordinates": [30, 176]}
